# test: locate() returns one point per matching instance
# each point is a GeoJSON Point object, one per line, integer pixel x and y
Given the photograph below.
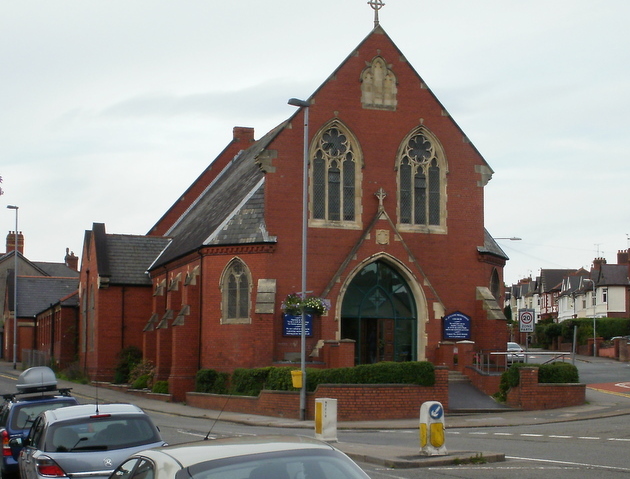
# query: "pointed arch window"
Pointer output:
{"type": "Point", "coordinates": [335, 177]}
{"type": "Point", "coordinates": [421, 183]}
{"type": "Point", "coordinates": [235, 290]}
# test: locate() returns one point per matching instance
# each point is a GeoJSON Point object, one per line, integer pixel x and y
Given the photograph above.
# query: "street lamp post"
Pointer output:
{"type": "Point", "coordinates": [303, 104]}
{"type": "Point", "coordinates": [593, 302]}
{"type": "Point", "coordinates": [15, 275]}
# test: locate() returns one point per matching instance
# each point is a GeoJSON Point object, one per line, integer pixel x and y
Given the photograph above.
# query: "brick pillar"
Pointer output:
{"type": "Point", "coordinates": [441, 386]}
{"type": "Point", "coordinates": [338, 354]}
{"type": "Point", "coordinates": [445, 354]}
{"type": "Point", "coordinates": [185, 347]}
{"type": "Point", "coordinates": [528, 388]}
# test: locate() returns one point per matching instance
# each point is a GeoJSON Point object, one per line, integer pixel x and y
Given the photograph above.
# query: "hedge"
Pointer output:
{"type": "Point", "coordinates": [249, 382]}
{"type": "Point", "coordinates": [557, 372]}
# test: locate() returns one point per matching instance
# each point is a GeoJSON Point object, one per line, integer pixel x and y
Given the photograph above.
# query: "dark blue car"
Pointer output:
{"type": "Point", "coordinates": [36, 393]}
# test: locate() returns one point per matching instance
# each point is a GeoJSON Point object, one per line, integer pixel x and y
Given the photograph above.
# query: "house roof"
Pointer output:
{"type": "Point", "coordinates": [612, 275]}
{"type": "Point", "coordinates": [129, 257]}
{"type": "Point", "coordinates": [229, 211]}
{"type": "Point", "coordinates": [551, 279]}
{"type": "Point", "coordinates": [37, 293]}
{"type": "Point", "coordinates": [57, 269]}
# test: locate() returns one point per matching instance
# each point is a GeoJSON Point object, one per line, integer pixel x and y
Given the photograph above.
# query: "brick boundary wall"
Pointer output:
{"type": "Point", "coordinates": [530, 395]}
{"type": "Point", "coordinates": [354, 402]}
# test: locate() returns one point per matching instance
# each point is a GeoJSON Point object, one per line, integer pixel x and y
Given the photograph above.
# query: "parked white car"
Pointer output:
{"type": "Point", "coordinates": [250, 457]}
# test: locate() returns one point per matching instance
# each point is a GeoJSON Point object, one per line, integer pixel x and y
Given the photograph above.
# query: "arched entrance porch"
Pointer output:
{"type": "Point", "coordinates": [384, 310]}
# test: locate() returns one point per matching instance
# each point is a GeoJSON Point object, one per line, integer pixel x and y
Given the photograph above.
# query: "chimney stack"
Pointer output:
{"type": "Point", "coordinates": [622, 257]}
{"type": "Point", "coordinates": [71, 260]}
{"type": "Point", "coordinates": [243, 134]}
{"type": "Point", "coordinates": [11, 242]}
{"type": "Point", "coordinates": [598, 262]}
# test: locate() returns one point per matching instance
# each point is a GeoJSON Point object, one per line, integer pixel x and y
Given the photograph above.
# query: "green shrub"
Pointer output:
{"type": "Point", "coordinates": [280, 379]}
{"type": "Point", "coordinates": [141, 382]}
{"type": "Point", "coordinates": [558, 372]}
{"type": "Point", "coordinates": [211, 381]}
{"type": "Point", "coordinates": [143, 369]}
{"type": "Point", "coordinates": [249, 382]}
{"type": "Point", "coordinates": [160, 387]}
{"type": "Point", "coordinates": [127, 359]}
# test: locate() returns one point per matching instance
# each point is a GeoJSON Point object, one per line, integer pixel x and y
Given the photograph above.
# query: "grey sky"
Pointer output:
{"type": "Point", "coordinates": [110, 109]}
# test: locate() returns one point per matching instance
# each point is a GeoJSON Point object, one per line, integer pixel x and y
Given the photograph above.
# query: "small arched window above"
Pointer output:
{"type": "Point", "coordinates": [235, 293]}
{"type": "Point", "coordinates": [421, 166]}
{"type": "Point", "coordinates": [378, 86]}
{"type": "Point", "coordinates": [495, 284]}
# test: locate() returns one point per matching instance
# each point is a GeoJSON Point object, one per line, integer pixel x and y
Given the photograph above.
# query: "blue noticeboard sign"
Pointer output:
{"type": "Point", "coordinates": [292, 325]}
{"type": "Point", "coordinates": [456, 326]}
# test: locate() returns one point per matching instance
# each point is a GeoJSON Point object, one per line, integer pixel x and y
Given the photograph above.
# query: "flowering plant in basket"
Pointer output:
{"type": "Point", "coordinates": [294, 304]}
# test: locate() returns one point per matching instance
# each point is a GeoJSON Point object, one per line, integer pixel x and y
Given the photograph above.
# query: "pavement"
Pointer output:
{"type": "Point", "coordinates": [599, 404]}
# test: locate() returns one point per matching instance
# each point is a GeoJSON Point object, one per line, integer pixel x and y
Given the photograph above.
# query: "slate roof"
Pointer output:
{"type": "Point", "coordinates": [57, 269]}
{"type": "Point", "coordinates": [551, 279]}
{"type": "Point", "coordinates": [129, 257]}
{"type": "Point", "coordinates": [229, 211]}
{"type": "Point", "coordinates": [613, 275]}
{"type": "Point", "coordinates": [37, 293]}
{"type": "Point", "coordinates": [490, 246]}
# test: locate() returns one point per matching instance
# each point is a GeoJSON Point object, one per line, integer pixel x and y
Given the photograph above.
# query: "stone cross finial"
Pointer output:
{"type": "Point", "coordinates": [376, 6]}
{"type": "Point", "coordinates": [380, 194]}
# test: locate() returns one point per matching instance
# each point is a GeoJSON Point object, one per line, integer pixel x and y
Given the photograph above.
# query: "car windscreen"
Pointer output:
{"type": "Point", "coordinates": [24, 414]}
{"type": "Point", "coordinates": [310, 464]}
{"type": "Point", "coordinates": [100, 433]}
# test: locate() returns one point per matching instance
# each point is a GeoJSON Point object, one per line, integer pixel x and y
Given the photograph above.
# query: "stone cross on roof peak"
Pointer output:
{"type": "Point", "coordinates": [376, 6]}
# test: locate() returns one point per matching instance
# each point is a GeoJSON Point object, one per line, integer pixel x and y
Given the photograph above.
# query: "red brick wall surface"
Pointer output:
{"type": "Point", "coordinates": [530, 395]}
{"type": "Point", "coordinates": [354, 402]}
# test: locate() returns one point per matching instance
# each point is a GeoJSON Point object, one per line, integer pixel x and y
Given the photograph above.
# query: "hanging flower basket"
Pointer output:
{"type": "Point", "coordinates": [294, 304]}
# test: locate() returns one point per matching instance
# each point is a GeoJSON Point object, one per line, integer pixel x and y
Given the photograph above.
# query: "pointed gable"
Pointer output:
{"type": "Point", "coordinates": [229, 211]}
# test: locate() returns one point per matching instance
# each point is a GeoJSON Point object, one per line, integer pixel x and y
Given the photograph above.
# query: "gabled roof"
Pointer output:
{"type": "Point", "coordinates": [379, 30]}
{"type": "Point", "coordinates": [37, 293]}
{"type": "Point", "coordinates": [11, 256]}
{"type": "Point", "coordinates": [123, 259]}
{"type": "Point", "coordinates": [229, 211]}
{"type": "Point", "coordinates": [551, 279]}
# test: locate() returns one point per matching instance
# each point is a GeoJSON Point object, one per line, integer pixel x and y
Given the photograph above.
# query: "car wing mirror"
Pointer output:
{"type": "Point", "coordinates": [17, 442]}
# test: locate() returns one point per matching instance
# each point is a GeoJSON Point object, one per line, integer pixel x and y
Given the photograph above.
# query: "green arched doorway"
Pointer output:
{"type": "Point", "coordinates": [378, 312]}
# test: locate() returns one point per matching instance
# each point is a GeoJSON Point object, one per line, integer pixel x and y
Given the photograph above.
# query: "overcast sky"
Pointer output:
{"type": "Point", "coordinates": [109, 109]}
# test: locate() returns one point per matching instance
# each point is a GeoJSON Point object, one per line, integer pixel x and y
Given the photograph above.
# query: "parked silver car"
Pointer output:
{"type": "Point", "coordinates": [87, 440]}
{"type": "Point", "coordinates": [515, 353]}
{"type": "Point", "coordinates": [251, 457]}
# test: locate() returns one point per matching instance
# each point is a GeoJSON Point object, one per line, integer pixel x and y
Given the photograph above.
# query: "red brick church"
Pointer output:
{"type": "Point", "coordinates": [395, 234]}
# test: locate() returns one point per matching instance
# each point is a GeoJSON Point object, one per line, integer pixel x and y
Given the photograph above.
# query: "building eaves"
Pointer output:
{"type": "Point", "coordinates": [490, 246]}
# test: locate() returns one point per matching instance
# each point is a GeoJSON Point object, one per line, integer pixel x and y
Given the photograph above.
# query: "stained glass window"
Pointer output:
{"type": "Point", "coordinates": [334, 176]}
{"type": "Point", "coordinates": [419, 180]}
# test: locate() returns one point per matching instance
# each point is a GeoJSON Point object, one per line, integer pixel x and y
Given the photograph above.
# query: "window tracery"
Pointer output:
{"type": "Point", "coordinates": [335, 176]}
{"type": "Point", "coordinates": [421, 181]}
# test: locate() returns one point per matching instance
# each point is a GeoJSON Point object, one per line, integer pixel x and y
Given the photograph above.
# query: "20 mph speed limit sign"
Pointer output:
{"type": "Point", "coordinates": [526, 320]}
